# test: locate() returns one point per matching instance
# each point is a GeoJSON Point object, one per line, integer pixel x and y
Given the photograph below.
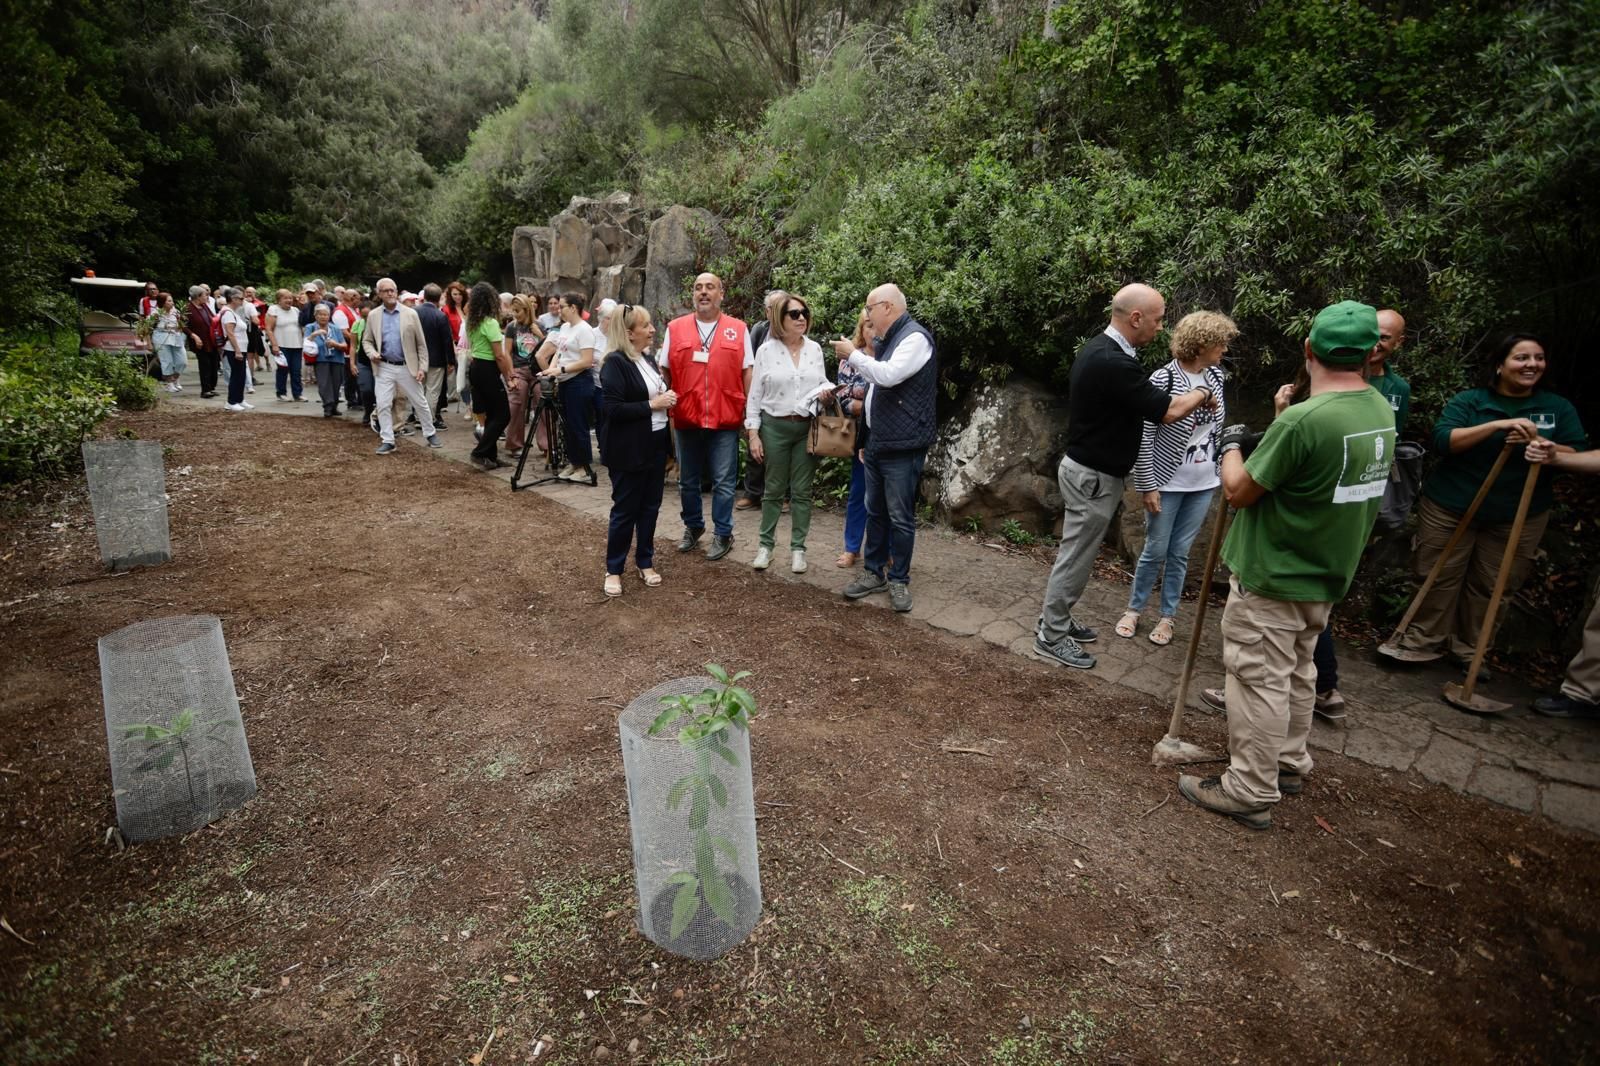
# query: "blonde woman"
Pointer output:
{"type": "Point", "coordinates": [634, 445]}
{"type": "Point", "coordinates": [1177, 469]}
{"type": "Point", "coordinates": [787, 377]}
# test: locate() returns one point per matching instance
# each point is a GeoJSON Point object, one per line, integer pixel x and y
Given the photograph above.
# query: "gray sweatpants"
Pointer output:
{"type": "Point", "coordinates": [1091, 501]}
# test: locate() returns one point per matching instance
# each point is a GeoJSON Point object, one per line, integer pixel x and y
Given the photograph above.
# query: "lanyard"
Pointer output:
{"type": "Point", "coordinates": [705, 338]}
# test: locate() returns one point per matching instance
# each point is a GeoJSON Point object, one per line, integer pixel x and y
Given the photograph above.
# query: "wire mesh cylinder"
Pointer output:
{"type": "Point", "coordinates": [692, 811]}
{"type": "Point", "coordinates": [179, 759]}
{"type": "Point", "coordinates": [128, 489]}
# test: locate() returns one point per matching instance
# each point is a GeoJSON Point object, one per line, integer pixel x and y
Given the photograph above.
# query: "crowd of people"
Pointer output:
{"type": "Point", "coordinates": [1307, 491]}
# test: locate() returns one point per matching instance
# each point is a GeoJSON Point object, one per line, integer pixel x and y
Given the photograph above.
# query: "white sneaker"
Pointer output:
{"type": "Point", "coordinates": [762, 560]}
{"type": "Point", "coordinates": [248, 406]}
{"type": "Point", "coordinates": [249, 388]}
{"type": "Point", "coordinates": [233, 407]}
{"type": "Point", "coordinates": [797, 562]}
{"type": "Point", "coordinates": [177, 386]}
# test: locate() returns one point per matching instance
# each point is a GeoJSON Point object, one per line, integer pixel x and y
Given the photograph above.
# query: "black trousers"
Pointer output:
{"type": "Point", "coordinates": [635, 506]}
{"type": "Point", "coordinates": [489, 397]}
{"type": "Point", "coordinates": [210, 367]}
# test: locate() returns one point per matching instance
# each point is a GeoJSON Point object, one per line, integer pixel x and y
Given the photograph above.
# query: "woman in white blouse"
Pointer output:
{"type": "Point", "coordinates": [787, 377]}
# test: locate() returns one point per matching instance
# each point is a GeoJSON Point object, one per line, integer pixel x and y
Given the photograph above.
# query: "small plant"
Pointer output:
{"type": "Point", "coordinates": [710, 714]}
{"type": "Point", "coordinates": [971, 524]}
{"type": "Point", "coordinates": [168, 743]}
{"type": "Point", "coordinates": [1013, 531]}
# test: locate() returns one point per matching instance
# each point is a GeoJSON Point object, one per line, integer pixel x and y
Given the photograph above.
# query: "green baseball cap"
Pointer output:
{"type": "Point", "coordinates": [1344, 334]}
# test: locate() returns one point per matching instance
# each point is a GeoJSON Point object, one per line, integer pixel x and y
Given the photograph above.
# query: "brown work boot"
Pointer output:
{"type": "Point", "coordinates": [1207, 793]}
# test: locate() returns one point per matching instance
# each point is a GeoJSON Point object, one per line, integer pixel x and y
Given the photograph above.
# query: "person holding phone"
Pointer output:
{"type": "Point", "coordinates": [635, 444]}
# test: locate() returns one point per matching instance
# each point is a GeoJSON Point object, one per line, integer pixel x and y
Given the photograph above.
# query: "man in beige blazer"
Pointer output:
{"type": "Point", "coordinates": [394, 343]}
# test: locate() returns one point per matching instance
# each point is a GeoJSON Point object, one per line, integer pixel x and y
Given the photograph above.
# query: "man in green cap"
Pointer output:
{"type": "Point", "coordinates": [1307, 498]}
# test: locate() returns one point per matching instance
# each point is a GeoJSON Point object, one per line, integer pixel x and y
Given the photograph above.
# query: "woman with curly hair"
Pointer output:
{"type": "Point", "coordinates": [488, 372]}
{"type": "Point", "coordinates": [1177, 471]}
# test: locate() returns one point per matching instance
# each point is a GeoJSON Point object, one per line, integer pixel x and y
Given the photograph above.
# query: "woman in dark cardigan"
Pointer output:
{"type": "Point", "coordinates": [633, 444]}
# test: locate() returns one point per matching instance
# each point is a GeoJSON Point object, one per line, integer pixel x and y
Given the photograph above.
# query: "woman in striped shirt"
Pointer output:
{"type": "Point", "coordinates": [1176, 471]}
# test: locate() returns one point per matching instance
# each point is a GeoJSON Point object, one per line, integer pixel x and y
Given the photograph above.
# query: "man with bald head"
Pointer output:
{"type": "Point", "coordinates": [1381, 376]}
{"type": "Point", "coordinates": [394, 343]}
{"type": "Point", "coordinates": [902, 388]}
{"type": "Point", "coordinates": [708, 359]}
{"type": "Point", "coordinates": [1110, 398]}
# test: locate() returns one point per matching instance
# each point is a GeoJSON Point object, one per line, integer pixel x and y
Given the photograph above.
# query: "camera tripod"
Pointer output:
{"type": "Point", "coordinates": [543, 416]}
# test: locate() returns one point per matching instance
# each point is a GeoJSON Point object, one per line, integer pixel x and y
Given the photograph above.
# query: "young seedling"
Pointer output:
{"type": "Point", "coordinates": [710, 714]}
{"type": "Point", "coordinates": [166, 743]}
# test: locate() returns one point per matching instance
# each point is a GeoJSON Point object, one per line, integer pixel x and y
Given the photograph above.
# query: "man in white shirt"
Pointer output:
{"type": "Point", "coordinates": [902, 392]}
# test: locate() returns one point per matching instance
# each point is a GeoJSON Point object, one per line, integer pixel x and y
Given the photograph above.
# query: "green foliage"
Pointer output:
{"type": "Point", "coordinates": [51, 400]}
{"type": "Point", "coordinates": [710, 714]}
{"type": "Point", "coordinates": [1017, 534]}
{"type": "Point", "coordinates": [164, 744]}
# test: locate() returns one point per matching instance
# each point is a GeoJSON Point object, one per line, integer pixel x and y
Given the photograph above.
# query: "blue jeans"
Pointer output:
{"type": "Point", "coordinates": [892, 479]}
{"type": "Point", "coordinates": [710, 453]}
{"type": "Point", "coordinates": [855, 508]}
{"type": "Point", "coordinates": [1325, 658]}
{"type": "Point", "coordinates": [1167, 537]}
{"type": "Point", "coordinates": [290, 375]}
{"type": "Point", "coordinates": [577, 408]}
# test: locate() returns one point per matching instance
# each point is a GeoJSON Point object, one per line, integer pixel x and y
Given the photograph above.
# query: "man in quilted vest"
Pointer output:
{"type": "Point", "coordinates": [708, 359]}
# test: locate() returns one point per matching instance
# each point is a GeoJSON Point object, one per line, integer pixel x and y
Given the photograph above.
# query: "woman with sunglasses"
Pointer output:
{"type": "Point", "coordinates": [784, 384]}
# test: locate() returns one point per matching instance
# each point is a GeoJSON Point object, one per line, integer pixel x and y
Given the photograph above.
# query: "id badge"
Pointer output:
{"type": "Point", "coordinates": [702, 356]}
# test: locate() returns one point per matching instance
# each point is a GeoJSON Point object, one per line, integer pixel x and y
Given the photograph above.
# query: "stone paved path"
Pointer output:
{"type": "Point", "coordinates": [1397, 719]}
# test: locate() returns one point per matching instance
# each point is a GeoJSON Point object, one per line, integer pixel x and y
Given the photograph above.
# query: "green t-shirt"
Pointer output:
{"type": "Point", "coordinates": [1324, 464]}
{"type": "Point", "coordinates": [1397, 391]}
{"type": "Point", "coordinates": [486, 333]}
{"type": "Point", "coordinates": [1457, 478]}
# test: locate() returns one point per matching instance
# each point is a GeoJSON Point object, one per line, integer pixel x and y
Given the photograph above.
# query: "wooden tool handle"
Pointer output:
{"type": "Point", "coordinates": [1500, 581]}
{"type": "Point", "coordinates": [1212, 550]}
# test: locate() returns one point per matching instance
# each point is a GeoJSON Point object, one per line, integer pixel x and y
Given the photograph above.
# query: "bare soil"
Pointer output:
{"type": "Point", "coordinates": [439, 853]}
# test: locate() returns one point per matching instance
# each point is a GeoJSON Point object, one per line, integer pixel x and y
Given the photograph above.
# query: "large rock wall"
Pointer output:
{"type": "Point", "coordinates": [613, 247]}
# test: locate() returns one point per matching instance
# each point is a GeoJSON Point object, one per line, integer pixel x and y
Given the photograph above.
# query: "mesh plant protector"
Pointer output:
{"type": "Point", "coordinates": [128, 488]}
{"type": "Point", "coordinates": [179, 759]}
{"type": "Point", "coordinates": [692, 811]}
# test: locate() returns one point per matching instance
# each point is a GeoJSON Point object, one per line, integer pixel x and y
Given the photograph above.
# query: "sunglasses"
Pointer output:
{"type": "Point", "coordinates": [798, 313]}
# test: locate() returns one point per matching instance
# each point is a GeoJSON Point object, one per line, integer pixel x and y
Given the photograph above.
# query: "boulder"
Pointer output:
{"type": "Point", "coordinates": [681, 242]}
{"type": "Point", "coordinates": [996, 459]}
{"type": "Point", "coordinates": [620, 283]}
{"type": "Point", "coordinates": [572, 254]}
{"type": "Point", "coordinates": [530, 251]}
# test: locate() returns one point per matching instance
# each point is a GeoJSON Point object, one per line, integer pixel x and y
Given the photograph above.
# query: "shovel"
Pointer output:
{"type": "Point", "coordinates": [1170, 750]}
{"type": "Point", "coordinates": [1391, 647]}
{"type": "Point", "coordinates": [1462, 695]}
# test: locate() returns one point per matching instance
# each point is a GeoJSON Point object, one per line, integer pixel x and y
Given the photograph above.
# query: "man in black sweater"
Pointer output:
{"type": "Point", "coordinates": [1110, 398]}
{"type": "Point", "coordinates": [441, 349]}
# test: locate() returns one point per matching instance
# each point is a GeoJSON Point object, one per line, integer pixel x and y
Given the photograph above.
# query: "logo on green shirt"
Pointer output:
{"type": "Point", "coordinates": [1366, 468]}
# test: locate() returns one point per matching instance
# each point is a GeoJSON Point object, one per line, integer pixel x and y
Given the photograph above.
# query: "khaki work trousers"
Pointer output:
{"type": "Point", "coordinates": [1583, 675]}
{"type": "Point", "coordinates": [1267, 648]}
{"type": "Point", "coordinates": [1450, 617]}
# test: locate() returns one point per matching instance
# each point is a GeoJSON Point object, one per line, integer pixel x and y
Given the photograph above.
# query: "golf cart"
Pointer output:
{"type": "Point", "coordinates": [108, 316]}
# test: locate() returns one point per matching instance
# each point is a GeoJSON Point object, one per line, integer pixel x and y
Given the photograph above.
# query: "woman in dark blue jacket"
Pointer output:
{"type": "Point", "coordinates": [633, 444]}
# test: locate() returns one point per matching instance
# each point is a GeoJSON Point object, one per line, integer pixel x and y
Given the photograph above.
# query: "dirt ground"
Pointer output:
{"type": "Point", "coordinates": [438, 864]}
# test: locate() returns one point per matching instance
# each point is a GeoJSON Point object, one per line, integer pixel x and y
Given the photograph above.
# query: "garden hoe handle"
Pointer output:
{"type": "Point", "coordinates": [1212, 550]}
{"type": "Point", "coordinates": [1487, 630]}
{"type": "Point", "coordinates": [1450, 545]}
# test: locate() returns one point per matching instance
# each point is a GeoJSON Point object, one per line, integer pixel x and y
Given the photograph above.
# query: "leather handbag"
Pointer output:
{"type": "Point", "coordinates": [832, 435]}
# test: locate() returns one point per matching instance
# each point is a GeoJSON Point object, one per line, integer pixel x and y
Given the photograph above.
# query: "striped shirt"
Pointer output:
{"type": "Point", "coordinates": [1162, 449]}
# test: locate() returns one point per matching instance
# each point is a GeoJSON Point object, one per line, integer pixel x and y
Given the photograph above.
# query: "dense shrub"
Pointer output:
{"type": "Point", "coordinates": [51, 400]}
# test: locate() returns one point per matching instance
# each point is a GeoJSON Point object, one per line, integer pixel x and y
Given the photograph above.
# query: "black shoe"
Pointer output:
{"type": "Point", "coordinates": [1563, 706]}
{"type": "Point", "coordinates": [720, 547]}
{"type": "Point", "coordinates": [484, 464]}
{"type": "Point", "coordinates": [385, 448]}
{"type": "Point", "coordinates": [1215, 698]}
{"type": "Point", "coordinates": [440, 427]}
{"type": "Point", "coordinates": [865, 585]}
{"type": "Point", "coordinates": [1207, 793]}
{"type": "Point", "coordinates": [208, 395]}
{"type": "Point", "coordinates": [1290, 782]}
{"type": "Point", "coordinates": [1064, 652]}
{"type": "Point", "coordinates": [691, 537]}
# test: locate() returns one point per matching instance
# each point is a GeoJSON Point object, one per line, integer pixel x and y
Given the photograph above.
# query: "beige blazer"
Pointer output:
{"type": "Point", "coordinates": [411, 339]}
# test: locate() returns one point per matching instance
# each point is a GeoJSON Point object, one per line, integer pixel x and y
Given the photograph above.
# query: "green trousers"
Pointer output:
{"type": "Point", "coordinates": [789, 471]}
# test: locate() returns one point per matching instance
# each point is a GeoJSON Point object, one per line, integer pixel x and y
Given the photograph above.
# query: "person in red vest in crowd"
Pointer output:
{"type": "Point", "coordinates": [150, 302]}
{"type": "Point", "coordinates": [708, 360]}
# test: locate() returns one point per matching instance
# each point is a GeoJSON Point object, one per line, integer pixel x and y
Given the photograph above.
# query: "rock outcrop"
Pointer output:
{"type": "Point", "coordinates": [612, 247]}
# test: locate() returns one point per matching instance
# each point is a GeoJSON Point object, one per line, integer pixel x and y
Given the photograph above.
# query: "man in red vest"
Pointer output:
{"type": "Point", "coordinates": [708, 359]}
